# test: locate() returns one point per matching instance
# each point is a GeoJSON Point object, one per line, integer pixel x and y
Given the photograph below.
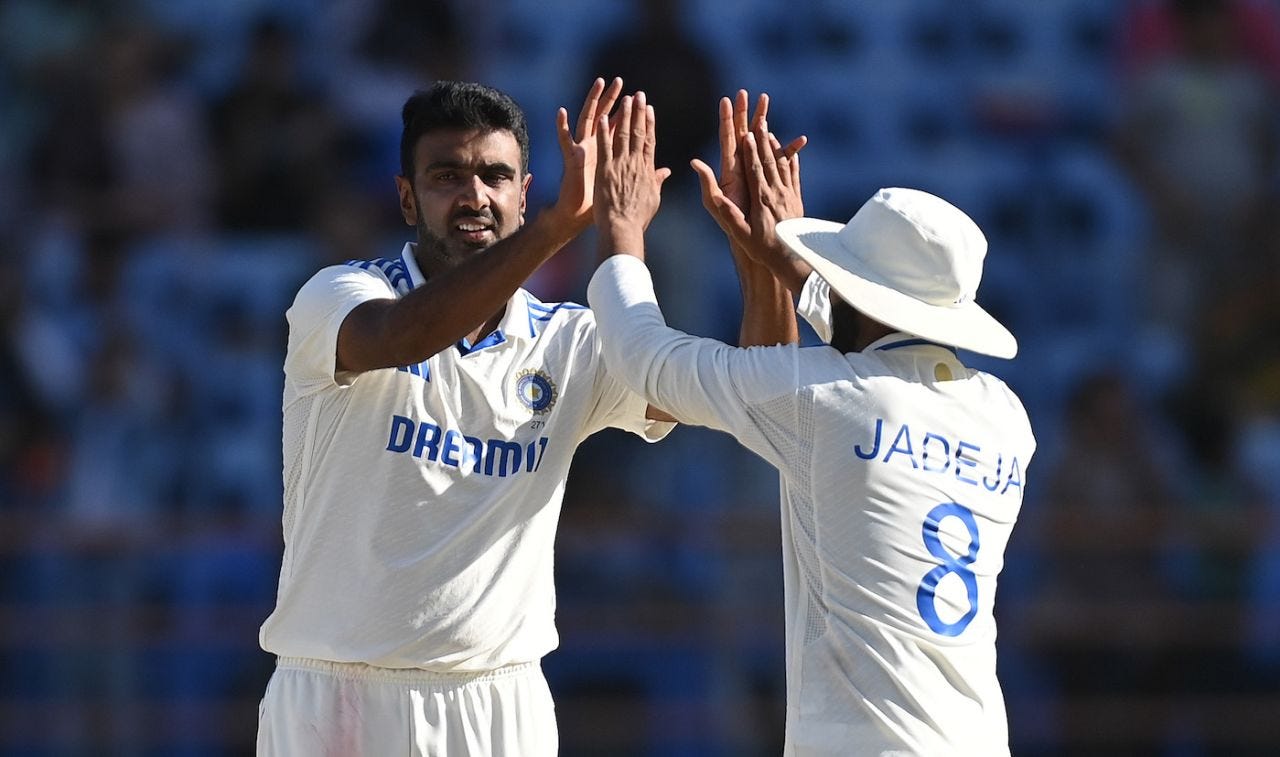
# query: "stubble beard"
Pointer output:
{"type": "Point", "coordinates": [439, 253]}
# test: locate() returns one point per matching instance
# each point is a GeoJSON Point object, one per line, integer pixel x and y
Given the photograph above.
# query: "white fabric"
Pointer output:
{"type": "Point", "coordinates": [910, 260]}
{"type": "Point", "coordinates": [883, 456]}
{"type": "Point", "coordinates": [425, 499]}
{"type": "Point", "coordinates": [325, 709]}
{"type": "Point", "coordinates": [814, 305]}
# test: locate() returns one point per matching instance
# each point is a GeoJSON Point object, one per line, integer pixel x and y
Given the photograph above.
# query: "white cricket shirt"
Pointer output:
{"type": "Point", "coordinates": [421, 502]}
{"type": "Point", "coordinates": [902, 475]}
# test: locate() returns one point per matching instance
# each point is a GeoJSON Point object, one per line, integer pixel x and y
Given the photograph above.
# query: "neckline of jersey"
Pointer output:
{"type": "Point", "coordinates": [910, 341]}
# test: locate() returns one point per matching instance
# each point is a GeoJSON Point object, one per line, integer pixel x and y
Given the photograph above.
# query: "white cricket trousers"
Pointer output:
{"type": "Point", "coordinates": [314, 708]}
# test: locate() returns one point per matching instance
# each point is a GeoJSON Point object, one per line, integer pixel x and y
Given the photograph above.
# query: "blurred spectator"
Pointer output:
{"type": "Point", "coordinates": [1153, 31]}
{"type": "Point", "coordinates": [1197, 135]}
{"type": "Point", "coordinates": [277, 139]}
{"type": "Point", "coordinates": [29, 434]}
{"type": "Point", "coordinates": [421, 37]}
{"type": "Point", "coordinates": [124, 156]}
{"type": "Point", "coordinates": [376, 53]}
{"type": "Point", "coordinates": [123, 463]}
{"type": "Point", "coordinates": [1106, 519]}
{"type": "Point", "coordinates": [1232, 411]}
{"type": "Point", "coordinates": [657, 55]}
{"type": "Point", "coordinates": [155, 136]}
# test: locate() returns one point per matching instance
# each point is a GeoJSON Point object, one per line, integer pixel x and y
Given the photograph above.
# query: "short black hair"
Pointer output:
{"type": "Point", "coordinates": [460, 105]}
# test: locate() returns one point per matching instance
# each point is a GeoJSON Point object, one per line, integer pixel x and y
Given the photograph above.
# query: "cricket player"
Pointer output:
{"type": "Point", "coordinates": [902, 470]}
{"type": "Point", "coordinates": [431, 410]}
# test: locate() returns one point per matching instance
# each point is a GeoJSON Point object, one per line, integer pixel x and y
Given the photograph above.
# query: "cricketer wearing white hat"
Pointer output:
{"type": "Point", "coordinates": [909, 260]}
{"type": "Point", "coordinates": [902, 470]}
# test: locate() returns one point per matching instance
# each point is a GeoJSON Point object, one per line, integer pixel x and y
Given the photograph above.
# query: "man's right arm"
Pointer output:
{"type": "Point", "coordinates": [386, 333]}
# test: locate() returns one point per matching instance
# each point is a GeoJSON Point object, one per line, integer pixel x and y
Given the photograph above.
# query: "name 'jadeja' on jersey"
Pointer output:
{"type": "Point", "coordinates": [937, 454]}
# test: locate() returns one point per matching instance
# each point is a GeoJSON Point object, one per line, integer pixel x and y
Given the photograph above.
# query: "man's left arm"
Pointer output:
{"type": "Point", "coordinates": [689, 376]}
{"type": "Point", "coordinates": [746, 201]}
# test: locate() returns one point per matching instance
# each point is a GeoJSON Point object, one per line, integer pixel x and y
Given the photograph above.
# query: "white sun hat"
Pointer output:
{"type": "Point", "coordinates": [909, 260]}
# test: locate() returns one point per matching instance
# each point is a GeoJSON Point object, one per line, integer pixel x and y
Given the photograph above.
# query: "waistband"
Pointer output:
{"type": "Point", "coordinates": [364, 672]}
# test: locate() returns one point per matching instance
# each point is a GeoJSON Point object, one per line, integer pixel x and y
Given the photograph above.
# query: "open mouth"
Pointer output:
{"type": "Point", "coordinates": [474, 230]}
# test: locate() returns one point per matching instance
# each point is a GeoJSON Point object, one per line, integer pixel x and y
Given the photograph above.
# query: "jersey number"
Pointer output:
{"type": "Point", "coordinates": [925, 595]}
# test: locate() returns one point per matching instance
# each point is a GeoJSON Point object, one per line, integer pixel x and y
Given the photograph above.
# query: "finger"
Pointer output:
{"type": "Point", "coordinates": [781, 159]}
{"type": "Point", "coordinates": [739, 117]}
{"type": "Point", "coordinates": [730, 219]}
{"type": "Point", "coordinates": [662, 175]}
{"type": "Point", "coordinates": [726, 215]}
{"type": "Point", "coordinates": [794, 147]}
{"type": "Point", "coordinates": [728, 139]}
{"type": "Point", "coordinates": [603, 151]}
{"type": "Point", "coordinates": [706, 182]}
{"type": "Point", "coordinates": [610, 96]}
{"type": "Point", "coordinates": [562, 131]}
{"type": "Point", "coordinates": [651, 136]}
{"type": "Point", "coordinates": [587, 115]}
{"type": "Point", "coordinates": [775, 145]}
{"type": "Point", "coordinates": [765, 155]}
{"type": "Point", "coordinates": [640, 121]}
{"type": "Point", "coordinates": [710, 190]}
{"type": "Point", "coordinates": [756, 180]}
{"type": "Point", "coordinates": [762, 110]}
{"type": "Point", "coordinates": [795, 172]}
{"type": "Point", "coordinates": [622, 130]}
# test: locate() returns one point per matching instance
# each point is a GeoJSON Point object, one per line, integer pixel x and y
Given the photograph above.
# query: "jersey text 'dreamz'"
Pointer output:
{"type": "Point", "coordinates": [491, 457]}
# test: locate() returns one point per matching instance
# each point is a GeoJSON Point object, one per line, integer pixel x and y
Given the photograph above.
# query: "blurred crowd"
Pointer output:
{"type": "Point", "coordinates": [172, 170]}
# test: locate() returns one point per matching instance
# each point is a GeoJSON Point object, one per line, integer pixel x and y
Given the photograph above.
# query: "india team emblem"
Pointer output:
{"type": "Point", "coordinates": [536, 391]}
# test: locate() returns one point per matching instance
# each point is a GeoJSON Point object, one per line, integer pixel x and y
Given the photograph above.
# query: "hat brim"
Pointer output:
{"type": "Point", "coordinates": [965, 326]}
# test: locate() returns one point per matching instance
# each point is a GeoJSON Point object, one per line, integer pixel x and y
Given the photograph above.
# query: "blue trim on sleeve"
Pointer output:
{"type": "Point", "coordinates": [392, 268]}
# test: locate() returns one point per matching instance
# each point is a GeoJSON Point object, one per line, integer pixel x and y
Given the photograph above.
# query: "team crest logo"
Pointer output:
{"type": "Point", "coordinates": [536, 391]}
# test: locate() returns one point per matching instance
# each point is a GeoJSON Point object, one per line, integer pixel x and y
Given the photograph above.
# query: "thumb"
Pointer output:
{"type": "Point", "coordinates": [562, 132]}
{"type": "Point", "coordinates": [662, 174]}
{"type": "Point", "coordinates": [706, 182]}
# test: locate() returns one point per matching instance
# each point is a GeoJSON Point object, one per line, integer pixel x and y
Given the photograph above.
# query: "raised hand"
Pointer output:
{"type": "Point", "coordinates": [578, 150]}
{"type": "Point", "coordinates": [773, 181]}
{"type": "Point", "coordinates": [738, 197]}
{"type": "Point", "coordinates": [627, 185]}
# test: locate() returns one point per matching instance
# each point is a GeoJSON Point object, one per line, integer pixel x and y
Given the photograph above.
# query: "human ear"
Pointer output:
{"type": "Point", "coordinates": [408, 203]}
{"type": "Point", "coordinates": [524, 195]}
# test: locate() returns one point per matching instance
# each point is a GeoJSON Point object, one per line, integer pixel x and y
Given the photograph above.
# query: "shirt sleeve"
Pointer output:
{"type": "Point", "coordinates": [815, 305]}
{"type": "Point", "coordinates": [617, 406]}
{"type": "Point", "coordinates": [318, 310]}
{"type": "Point", "coordinates": [700, 381]}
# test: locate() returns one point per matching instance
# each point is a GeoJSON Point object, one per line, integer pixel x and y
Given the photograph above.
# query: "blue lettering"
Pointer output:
{"type": "Point", "coordinates": [542, 450]}
{"type": "Point", "coordinates": [875, 450]}
{"type": "Point", "coordinates": [428, 438]}
{"type": "Point", "coordinates": [946, 452]}
{"type": "Point", "coordinates": [451, 448]}
{"type": "Point", "coordinates": [966, 461]}
{"type": "Point", "coordinates": [1015, 476]}
{"type": "Point", "coordinates": [991, 484]}
{"type": "Point", "coordinates": [495, 457]}
{"type": "Point", "coordinates": [501, 450]}
{"type": "Point", "coordinates": [904, 435]}
{"type": "Point", "coordinates": [474, 451]}
{"type": "Point", "coordinates": [400, 424]}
